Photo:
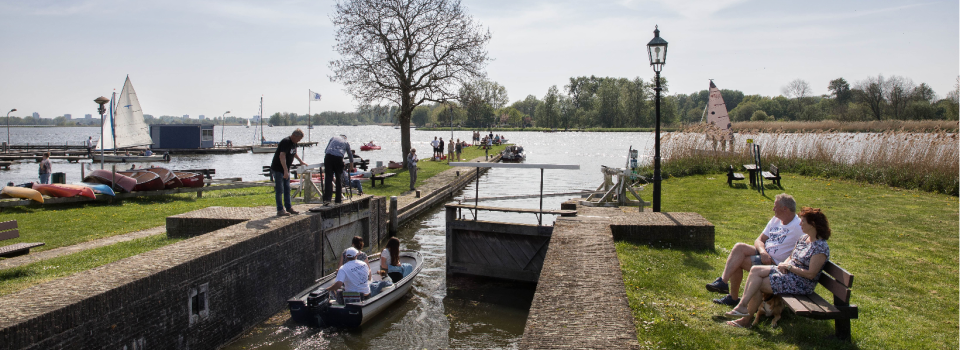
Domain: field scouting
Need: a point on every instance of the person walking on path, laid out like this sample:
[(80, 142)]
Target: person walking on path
[(89, 144), (772, 247), (458, 149), (280, 167), (337, 148), (45, 169), (412, 166)]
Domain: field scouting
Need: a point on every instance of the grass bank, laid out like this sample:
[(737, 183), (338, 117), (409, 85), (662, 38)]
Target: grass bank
[(902, 246)]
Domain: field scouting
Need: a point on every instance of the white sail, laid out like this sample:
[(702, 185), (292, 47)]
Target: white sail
[(716, 112), (130, 128)]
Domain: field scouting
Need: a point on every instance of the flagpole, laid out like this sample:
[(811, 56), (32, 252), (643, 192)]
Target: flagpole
[(309, 129)]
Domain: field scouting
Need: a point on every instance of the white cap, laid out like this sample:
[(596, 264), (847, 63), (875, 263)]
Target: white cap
[(352, 252)]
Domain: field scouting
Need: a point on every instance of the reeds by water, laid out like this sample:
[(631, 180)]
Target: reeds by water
[(833, 125), (905, 159)]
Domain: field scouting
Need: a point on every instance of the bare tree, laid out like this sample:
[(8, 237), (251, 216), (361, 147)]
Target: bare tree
[(798, 89), (407, 52), (898, 93), (872, 92)]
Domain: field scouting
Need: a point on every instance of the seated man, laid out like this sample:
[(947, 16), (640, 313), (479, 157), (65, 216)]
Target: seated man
[(773, 246), (354, 275), (354, 182)]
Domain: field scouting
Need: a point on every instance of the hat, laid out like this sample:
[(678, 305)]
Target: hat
[(352, 252)]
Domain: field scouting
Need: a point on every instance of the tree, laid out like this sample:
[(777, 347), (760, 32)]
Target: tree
[(871, 92), (840, 90), (481, 98), (420, 115), (407, 52), (798, 88), (898, 95)]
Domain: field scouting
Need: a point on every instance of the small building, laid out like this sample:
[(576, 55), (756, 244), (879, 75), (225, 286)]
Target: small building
[(181, 136)]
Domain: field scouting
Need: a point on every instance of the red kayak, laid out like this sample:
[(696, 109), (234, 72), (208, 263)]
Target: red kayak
[(105, 177), (146, 180), (190, 179), (55, 190), (84, 190), (369, 148)]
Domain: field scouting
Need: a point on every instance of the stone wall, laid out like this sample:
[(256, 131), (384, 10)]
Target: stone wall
[(196, 294)]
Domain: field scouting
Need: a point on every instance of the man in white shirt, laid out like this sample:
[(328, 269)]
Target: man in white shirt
[(774, 246), (354, 275)]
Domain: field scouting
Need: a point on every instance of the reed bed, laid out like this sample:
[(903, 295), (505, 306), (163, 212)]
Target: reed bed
[(925, 161), (833, 125)]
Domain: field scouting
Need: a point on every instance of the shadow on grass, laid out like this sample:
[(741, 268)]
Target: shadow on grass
[(804, 332), (14, 273)]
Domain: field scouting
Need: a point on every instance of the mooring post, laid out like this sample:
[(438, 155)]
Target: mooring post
[(394, 223)]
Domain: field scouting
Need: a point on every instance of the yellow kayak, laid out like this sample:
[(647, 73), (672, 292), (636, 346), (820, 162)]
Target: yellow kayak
[(22, 192)]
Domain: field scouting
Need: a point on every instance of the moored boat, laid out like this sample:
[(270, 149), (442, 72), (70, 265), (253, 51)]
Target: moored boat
[(190, 179), (512, 154), (146, 180), (369, 147), (106, 177), (317, 306)]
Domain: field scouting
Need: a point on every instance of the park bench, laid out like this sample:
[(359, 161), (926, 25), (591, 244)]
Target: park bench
[(814, 306), (772, 175), (8, 230), (732, 176), (379, 174)]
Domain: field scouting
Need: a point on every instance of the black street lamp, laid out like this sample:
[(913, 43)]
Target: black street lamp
[(657, 51), (101, 101), (8, 126)]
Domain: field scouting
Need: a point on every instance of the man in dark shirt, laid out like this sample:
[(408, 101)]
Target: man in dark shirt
[(282, 161), (336, 150)]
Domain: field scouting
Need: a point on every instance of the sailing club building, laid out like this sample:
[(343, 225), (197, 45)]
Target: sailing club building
[(194, 136)]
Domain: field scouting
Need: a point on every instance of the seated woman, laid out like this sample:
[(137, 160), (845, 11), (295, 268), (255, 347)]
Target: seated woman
[(390, 260), (797, 275)]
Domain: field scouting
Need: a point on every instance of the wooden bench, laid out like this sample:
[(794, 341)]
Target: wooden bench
[(8, 230), (813, 306), (772, 175), (732, 176), (379, 174)]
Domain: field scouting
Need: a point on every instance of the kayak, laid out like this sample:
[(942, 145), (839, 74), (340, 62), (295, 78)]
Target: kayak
[(99, 188), (84, 190), (369, 148), (55, 190), (22, 192), (105, 177)]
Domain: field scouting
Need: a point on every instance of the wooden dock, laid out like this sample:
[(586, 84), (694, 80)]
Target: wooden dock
[(37, 158)]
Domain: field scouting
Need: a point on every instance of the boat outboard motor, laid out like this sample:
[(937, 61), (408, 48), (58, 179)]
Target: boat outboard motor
[(319, 298)]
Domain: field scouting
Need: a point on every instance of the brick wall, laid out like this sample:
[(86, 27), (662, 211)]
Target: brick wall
[(195, 294)]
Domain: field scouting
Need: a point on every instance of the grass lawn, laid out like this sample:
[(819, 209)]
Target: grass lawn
[(426, 169), (902, 246)]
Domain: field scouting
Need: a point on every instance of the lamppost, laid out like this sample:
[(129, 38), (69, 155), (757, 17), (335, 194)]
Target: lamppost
[(223, 125), (101, 101), (657, 51), (8, 126)]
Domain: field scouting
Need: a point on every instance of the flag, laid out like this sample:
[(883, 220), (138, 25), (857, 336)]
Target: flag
[(314, 96)]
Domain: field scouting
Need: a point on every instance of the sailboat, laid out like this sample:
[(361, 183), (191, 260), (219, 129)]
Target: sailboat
[(126, 128), (248, 123), (718, 121), (264, 146)]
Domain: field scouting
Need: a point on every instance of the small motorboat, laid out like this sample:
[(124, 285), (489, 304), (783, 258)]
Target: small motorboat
[(369, 147), (190, 179), (106, 177), (512, 154), (146, 180), (317, 306)]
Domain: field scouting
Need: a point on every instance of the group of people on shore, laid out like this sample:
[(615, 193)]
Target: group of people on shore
[(454, 149), (786, 258), (334, 172), (354, 274)]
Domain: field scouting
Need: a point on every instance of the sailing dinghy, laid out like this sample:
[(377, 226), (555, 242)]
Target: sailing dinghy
[(126, 128)]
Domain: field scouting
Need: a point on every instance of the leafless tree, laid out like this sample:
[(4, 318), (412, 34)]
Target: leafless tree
[(898, 94), (872, 92), (407, 52), (798, 89)]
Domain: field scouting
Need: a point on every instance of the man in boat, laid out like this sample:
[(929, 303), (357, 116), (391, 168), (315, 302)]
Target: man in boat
[(773, 246), (282, 161), (333, 167), (353, 276)]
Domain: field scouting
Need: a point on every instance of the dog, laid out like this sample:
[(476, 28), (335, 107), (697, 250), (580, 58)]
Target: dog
[(772, 306)]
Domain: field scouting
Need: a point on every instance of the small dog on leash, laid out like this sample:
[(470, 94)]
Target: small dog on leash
[(772, 306)]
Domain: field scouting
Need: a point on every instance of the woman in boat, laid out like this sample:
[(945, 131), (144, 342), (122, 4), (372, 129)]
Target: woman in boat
[(358, 245), (390, 260), (370, 144), (797, 275)]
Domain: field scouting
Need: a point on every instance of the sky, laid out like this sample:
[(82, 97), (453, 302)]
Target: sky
[(207, 57)]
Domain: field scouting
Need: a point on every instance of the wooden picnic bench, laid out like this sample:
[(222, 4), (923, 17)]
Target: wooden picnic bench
[(732, 176), (752, 168), (379, 174), (772, 175), (9, 230), (814, 306)]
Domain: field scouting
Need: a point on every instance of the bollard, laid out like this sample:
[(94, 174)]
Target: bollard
[(393, 216), (418, 193)]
